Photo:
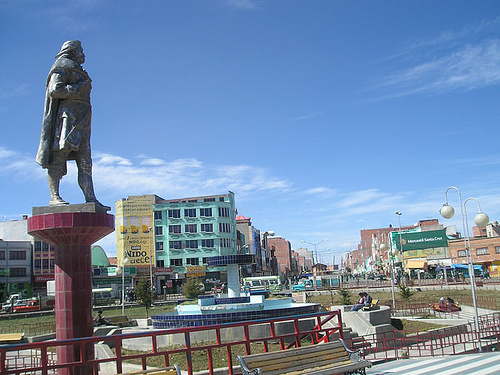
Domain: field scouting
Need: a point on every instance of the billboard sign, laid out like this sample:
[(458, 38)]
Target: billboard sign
[(420, 240), (134, 222), (195, 271)]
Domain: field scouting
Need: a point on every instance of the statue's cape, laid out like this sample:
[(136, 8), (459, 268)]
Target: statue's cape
[(51, 106)]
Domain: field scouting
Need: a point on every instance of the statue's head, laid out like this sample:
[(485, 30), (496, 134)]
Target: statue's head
[(72, 49)]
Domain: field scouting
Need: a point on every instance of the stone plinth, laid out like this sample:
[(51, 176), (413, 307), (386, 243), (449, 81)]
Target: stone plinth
[(72, 229)]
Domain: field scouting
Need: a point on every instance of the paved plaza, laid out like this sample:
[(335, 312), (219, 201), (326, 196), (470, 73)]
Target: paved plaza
[(464, 364)]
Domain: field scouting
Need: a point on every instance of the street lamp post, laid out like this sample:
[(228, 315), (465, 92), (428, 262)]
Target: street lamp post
[(481, 219), (315, 254), (315, 244), (124, 262), (383, 247), (150, 262), (401, 242)]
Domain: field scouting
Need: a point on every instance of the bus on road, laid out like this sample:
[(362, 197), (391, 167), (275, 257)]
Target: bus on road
[(258, 284)]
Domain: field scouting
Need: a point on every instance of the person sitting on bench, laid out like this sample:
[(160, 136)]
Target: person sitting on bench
[(364, 301)]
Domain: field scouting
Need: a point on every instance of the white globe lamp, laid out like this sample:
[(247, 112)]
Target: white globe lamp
[(481, 219), (447, 211)]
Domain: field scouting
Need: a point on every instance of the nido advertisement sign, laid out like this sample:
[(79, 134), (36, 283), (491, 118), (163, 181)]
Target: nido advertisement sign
[(134, 224)]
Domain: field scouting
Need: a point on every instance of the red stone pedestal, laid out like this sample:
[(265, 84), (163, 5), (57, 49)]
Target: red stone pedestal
[(72, 234)]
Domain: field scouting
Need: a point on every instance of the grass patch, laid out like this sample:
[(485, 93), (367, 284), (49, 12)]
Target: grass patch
[(199, 358), (414, 326), (39, 325)]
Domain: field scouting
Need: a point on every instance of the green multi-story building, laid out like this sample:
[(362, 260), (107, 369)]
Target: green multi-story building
[(189, 231)]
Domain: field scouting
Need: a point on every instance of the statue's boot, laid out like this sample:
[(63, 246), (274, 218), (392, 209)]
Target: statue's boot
[(87, 186), (55, 198)]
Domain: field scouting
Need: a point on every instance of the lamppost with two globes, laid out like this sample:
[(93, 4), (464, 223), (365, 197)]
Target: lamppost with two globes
[(481, 220)]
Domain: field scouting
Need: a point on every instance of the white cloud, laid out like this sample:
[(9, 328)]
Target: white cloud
[(306, 117), (360, 197), (10, 92), (461, 60), (242, 4), (178, 178), (105, 159), (323, 191)]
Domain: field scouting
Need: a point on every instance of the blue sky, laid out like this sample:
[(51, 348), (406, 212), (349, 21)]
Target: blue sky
[(323, 117)]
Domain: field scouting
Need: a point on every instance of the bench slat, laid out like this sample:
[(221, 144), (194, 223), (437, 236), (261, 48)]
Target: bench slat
[(321, 359), (11, 337), (291, 352), (331, 369), (292, 361), (334, 370), (307, 368)]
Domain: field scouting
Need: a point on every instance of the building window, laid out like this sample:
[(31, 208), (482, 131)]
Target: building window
[(221, 199), (38, 246), (225, 227), (207, 243), (206, 212), (38, 263), (175, 245), (160, 263), (158, 215), (497, 249), (190, 212), (17, 272), (225, 242), (209, 200), (192, 261), (158, 231), (159, 246), (191, 228), (462, 253), (172, 229), (209, 228), (176, 262), (204, 260), (45, 246), (223, 212), (2, 255), (191, 244), (482, 251), (17, 255), (174, 214)]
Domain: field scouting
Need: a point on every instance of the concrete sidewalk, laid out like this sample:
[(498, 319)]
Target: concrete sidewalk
[(463, 364)]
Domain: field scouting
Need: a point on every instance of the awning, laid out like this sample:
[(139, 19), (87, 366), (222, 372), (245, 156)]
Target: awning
[(415, 264)]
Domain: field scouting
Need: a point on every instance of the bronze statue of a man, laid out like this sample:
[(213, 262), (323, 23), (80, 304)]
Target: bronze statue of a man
[(66, 122)]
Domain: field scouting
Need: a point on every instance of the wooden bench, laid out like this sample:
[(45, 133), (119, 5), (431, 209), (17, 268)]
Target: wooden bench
[(120, 320), (320, 359), (373, 306), (174, 370), (11, 338)]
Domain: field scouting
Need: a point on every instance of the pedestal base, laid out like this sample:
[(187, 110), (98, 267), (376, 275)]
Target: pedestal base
[(72, 234)]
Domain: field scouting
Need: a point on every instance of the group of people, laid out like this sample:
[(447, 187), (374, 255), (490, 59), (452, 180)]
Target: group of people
[(365, 300), (448, 305)]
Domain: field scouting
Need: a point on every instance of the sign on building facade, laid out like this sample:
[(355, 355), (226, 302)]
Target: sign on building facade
[(420, 240)]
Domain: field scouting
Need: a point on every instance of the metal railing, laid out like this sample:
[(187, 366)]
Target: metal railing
[(157, 350), (222, 343), (458, 339)]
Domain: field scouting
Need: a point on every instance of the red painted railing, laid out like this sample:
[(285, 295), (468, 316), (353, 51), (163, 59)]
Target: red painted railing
[(443, 341), (39, 357)]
